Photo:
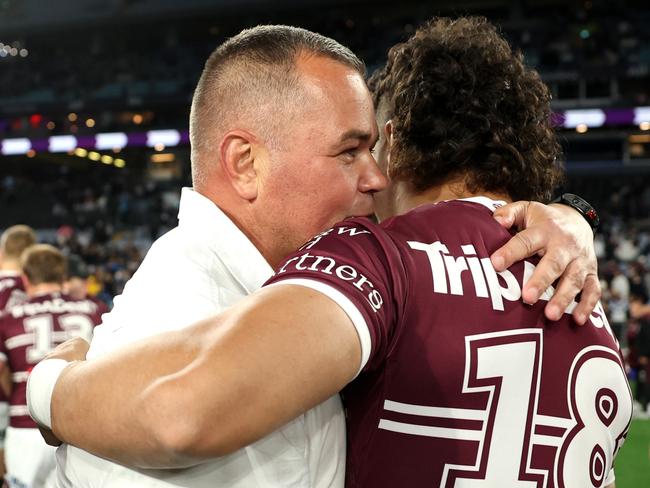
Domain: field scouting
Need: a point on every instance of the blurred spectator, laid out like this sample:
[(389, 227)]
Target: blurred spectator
[(626, 250), (620, 284), (640, 311), (617, 307), (76, 283)]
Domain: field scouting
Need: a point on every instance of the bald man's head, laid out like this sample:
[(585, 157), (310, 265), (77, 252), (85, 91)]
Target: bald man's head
[(250, 82)]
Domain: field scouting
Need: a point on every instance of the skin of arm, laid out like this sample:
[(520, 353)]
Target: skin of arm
[(565, 242), (212, 388)]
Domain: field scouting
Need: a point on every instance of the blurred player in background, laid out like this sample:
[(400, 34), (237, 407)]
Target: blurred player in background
[(28, 332), (76, 283), (278, 354), (13, 242)]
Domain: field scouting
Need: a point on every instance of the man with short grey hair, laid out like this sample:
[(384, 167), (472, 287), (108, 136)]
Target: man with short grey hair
[(263, 184)]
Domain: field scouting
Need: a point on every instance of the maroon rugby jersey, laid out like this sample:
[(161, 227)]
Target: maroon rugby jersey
[(12, 290), (31, 330), (462, 384)]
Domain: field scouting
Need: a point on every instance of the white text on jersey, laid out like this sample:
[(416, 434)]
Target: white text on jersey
[(446, 271)]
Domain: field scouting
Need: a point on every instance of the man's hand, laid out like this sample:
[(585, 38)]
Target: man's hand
[(72, 350), (565, 241)]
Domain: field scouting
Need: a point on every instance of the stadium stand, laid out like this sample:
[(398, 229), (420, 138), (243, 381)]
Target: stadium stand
[(131, 66)]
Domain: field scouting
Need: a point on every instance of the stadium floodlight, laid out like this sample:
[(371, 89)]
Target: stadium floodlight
[(19, 145), (167, 138), (111, 140), (641, 114), (590, 118), (62, 143)]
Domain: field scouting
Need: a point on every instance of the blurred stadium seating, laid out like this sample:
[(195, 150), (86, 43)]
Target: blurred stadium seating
[(81, 68)]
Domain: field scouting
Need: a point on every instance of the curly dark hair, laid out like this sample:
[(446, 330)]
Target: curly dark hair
[(462, 103)]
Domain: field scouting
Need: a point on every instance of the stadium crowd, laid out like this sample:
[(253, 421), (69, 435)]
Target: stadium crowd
[(155, 66)]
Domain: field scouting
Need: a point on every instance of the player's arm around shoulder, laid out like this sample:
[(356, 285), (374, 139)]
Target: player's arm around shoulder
[(213, 388)]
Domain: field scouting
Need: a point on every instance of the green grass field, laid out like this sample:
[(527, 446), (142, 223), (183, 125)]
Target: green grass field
[(633, 463)]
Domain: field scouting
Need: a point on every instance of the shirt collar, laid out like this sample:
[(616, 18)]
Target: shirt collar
[(9, 274), (199, 215), (490, 204)]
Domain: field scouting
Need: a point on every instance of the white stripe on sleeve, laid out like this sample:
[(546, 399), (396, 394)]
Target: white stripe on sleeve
[(348, 307)]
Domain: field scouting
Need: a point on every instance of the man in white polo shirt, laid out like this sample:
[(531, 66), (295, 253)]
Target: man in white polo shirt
[(263, 185)]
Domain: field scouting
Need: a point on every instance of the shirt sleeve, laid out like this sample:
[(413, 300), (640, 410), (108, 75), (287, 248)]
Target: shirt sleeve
[(355, 265)]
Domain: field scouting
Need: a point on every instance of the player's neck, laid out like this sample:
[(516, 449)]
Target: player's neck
[(43, 289), (452, 190), (10, 265)]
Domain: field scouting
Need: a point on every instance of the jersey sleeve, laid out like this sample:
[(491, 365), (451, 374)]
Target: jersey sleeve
[(356, 266)]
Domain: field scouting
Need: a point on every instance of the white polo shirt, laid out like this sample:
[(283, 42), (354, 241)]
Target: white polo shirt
[(194, 271)]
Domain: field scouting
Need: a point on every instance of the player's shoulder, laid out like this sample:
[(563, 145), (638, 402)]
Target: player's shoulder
[(358, 229), (480, 208), (452, 220), (359, 235)]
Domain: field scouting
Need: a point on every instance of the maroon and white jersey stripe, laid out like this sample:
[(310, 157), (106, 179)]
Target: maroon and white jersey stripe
[(29, 331), (462, 385)]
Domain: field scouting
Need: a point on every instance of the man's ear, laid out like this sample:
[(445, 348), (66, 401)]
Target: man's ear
[(238, 162)]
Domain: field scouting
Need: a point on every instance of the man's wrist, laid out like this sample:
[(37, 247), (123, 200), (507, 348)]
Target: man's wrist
[(40, 386), (583, 207)]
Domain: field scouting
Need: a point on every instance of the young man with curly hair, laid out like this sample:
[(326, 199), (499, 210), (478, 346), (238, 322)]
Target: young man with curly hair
[(448, 377)]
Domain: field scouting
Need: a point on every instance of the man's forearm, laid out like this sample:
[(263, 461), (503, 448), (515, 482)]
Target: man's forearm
[(212, 388), (98, 405)]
